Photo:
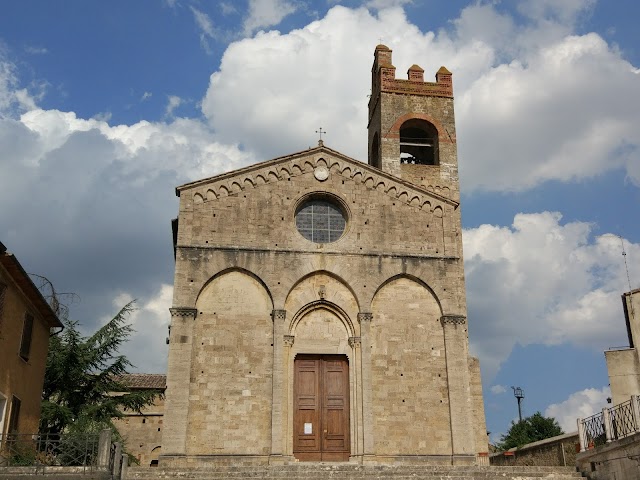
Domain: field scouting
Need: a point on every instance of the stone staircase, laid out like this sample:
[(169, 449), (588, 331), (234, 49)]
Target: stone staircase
[(323, 471)]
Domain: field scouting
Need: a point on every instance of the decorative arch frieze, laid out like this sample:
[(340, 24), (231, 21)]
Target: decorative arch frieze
[(394, 189)]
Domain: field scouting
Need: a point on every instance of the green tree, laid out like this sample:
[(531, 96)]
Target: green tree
[(83, 390), (530, 429)]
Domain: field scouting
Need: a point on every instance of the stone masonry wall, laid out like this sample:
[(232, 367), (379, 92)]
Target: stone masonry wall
[(560, 450), (231, 368), (409, 372)]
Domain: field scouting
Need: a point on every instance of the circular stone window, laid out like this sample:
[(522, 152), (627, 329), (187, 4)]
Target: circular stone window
[(320, 220)]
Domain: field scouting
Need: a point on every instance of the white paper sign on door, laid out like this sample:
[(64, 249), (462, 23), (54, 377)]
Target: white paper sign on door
[(308, 429)]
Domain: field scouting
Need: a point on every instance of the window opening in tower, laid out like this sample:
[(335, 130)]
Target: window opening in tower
[(418, 145)]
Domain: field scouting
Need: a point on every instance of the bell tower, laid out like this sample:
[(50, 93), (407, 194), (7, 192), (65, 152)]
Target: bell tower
[(412, 132)]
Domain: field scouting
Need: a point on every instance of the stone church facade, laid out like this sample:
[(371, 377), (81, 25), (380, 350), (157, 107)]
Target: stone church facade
[(319, 308)]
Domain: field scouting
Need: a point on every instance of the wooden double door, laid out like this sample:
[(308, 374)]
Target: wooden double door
[(321, 408)]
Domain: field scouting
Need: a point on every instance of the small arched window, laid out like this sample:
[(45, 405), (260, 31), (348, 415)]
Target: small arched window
[(375, 152), (418, 142)]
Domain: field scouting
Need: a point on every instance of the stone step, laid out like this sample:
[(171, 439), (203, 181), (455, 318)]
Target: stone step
[(349, 471)]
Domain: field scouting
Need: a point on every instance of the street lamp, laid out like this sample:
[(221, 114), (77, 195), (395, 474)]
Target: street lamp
[(519, 394)]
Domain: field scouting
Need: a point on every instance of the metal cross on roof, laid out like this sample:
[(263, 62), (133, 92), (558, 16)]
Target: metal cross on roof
[(320, 132)]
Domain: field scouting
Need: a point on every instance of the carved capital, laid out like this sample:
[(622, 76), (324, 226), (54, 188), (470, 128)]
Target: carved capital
[(453, 319), (365, 317), (288, 340), (279, 315), (354, 342), (183, 312)]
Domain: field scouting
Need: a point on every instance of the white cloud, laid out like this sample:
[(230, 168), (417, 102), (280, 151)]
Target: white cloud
[(568, 113), (580, 404), (205, 25), (381, 4), (145, 96), (497, 389), (173, 102), (228, 8), (12, 99), (541, 281), (566, 11), (147, 348), (266, 13), (100, 197)]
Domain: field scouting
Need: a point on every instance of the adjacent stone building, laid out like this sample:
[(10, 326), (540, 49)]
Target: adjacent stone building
[(142, 431), (26, 321), (623, 364), (319, 308)]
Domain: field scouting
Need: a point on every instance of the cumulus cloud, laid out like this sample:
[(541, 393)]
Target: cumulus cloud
[(555, 117), (99, 199), (541, 281), (580, 404), (266, 13), (535, 102)]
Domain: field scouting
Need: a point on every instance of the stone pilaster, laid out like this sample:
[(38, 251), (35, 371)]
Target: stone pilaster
[(365, 319), (455, 340), (176, 415), (287, 427), (278, 385), (357, 432)]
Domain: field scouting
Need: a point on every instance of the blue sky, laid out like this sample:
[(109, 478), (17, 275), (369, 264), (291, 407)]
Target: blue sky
[(106, 106)]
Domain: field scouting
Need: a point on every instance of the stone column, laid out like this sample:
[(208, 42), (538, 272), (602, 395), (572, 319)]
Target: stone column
[(104, 449), (606, 419), (176, 416), (582, 437), (455, 344), (278, 392), (365, 319), (356, 397)]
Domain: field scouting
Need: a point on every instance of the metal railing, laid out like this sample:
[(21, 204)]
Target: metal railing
[(621, 420), (593, 430), (613, 423), (67, 450)]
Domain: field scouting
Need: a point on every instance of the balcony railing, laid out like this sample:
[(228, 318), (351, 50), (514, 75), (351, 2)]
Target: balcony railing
[(613, 423)]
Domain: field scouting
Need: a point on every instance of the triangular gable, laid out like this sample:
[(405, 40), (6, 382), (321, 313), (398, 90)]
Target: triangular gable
[(289, 166)]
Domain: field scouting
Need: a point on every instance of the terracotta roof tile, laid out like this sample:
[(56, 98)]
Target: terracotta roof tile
[(144, 380)]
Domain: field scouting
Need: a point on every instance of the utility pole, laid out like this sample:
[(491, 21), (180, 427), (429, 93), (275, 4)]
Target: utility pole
[(519, 394)]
